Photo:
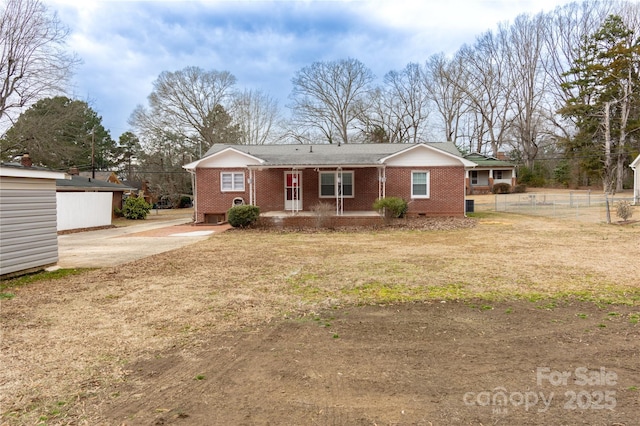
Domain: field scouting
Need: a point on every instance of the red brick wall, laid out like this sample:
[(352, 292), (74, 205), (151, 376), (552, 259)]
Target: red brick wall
[(210, 199), (334, 222), (446, 190), (446, 193)]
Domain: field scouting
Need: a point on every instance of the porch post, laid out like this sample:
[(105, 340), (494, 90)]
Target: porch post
[(295, 190), (339, 195), (382, 182), (252, 188)]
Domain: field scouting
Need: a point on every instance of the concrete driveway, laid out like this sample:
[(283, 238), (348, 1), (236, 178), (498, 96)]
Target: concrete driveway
[(116, 246)]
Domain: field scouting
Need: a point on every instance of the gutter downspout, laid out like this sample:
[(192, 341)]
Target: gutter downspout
[(636, 185), (195, 195)]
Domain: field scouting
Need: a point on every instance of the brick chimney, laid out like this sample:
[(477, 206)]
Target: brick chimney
[(502, 156), (74, 171), (26, 160)]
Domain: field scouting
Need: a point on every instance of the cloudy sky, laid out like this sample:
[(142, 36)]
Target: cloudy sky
[(125, 45)]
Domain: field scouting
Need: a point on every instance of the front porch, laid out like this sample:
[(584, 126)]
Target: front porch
[(311, 219)]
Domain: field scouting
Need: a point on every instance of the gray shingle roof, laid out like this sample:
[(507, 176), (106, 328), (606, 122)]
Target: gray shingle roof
[(326, 154), (80, 183)]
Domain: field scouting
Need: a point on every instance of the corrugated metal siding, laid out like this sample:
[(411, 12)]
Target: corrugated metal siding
[(28, 234)]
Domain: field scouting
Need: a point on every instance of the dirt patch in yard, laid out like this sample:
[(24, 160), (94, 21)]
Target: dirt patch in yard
[(410, 364), (387, 326)]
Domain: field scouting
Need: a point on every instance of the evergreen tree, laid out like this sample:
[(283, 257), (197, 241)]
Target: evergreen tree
[(59, 133), (606, 88)]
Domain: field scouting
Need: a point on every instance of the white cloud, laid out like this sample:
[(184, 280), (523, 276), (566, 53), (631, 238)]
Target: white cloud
[(126, 45)]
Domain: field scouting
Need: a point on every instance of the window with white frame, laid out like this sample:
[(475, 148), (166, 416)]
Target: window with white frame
[(232, 181), (474, 177), (497, 174), (332, 182), (420, 184)]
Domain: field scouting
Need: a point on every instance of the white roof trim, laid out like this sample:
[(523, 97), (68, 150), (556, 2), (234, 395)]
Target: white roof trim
[(635, 163), (315, 166), (194, 164), (26, 172), (464, 161)]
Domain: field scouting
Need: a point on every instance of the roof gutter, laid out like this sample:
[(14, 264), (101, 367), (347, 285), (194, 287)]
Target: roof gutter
[(312, 166)]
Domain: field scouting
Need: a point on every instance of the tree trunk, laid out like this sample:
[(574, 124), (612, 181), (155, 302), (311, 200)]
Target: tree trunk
[(607, 176)]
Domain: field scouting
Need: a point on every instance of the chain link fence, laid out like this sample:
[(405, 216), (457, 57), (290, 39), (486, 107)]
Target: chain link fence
[(587, 206)]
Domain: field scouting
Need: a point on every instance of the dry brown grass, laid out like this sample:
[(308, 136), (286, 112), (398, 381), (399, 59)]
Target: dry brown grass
[(65, 342)]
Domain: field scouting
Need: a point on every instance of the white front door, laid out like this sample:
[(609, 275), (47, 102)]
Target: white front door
[(293, 191)]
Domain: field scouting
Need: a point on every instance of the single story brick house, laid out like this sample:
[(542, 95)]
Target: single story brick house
[(292, 179), (488, 172)]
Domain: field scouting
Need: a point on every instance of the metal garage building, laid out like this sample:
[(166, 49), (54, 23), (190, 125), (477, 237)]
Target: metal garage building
[(28, 233)]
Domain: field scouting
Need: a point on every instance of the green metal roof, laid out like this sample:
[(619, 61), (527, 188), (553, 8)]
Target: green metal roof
[(487, 161)]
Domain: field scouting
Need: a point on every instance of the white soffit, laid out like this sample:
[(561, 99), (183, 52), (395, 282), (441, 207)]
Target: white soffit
[(424, 156)]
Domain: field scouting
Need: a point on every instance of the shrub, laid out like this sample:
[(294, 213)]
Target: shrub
[(520, 189), (135, 208), (532, 177), (323, 213), (393, 206), (185, 201), (562, 173), (624, 210), (243, 216), (501, 188)]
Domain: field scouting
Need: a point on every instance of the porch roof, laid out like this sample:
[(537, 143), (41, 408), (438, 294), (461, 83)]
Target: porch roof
[(325, 155)]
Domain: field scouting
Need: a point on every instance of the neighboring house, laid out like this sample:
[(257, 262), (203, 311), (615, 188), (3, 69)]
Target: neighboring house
[(635, 165), (28, 233), (141, 189), (349, 177), (488, 172), (87, 203)]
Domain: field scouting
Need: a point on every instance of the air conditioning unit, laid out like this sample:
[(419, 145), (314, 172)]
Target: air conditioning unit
[(238, 201)]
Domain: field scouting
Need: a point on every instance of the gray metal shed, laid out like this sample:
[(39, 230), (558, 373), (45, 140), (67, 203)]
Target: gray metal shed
[(28, 233)]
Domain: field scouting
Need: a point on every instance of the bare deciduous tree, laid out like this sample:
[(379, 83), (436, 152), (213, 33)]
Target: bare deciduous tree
[(256, 114), (442, 80), (486, 88), (186, 103), (410, 108), (566, 30), (33, 62), (398, 111), (525, 38), (328, 96)]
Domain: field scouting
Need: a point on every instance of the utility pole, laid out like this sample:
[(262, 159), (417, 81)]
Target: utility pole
[(93, 153)]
